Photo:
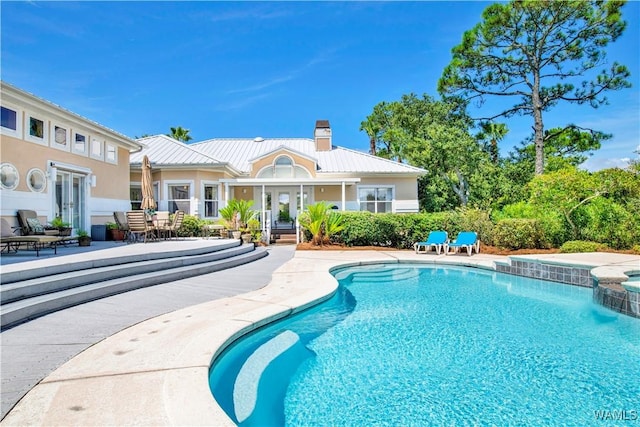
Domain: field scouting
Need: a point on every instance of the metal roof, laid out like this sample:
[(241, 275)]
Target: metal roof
[(239, 152), (163, 150)]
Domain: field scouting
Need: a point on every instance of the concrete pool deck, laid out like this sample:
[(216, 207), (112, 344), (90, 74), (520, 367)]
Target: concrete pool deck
[(156, 372)]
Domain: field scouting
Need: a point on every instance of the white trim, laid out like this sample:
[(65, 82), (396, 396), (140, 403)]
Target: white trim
[(96, 141), (17, 133), (17, 176), (68, 167), (27, 128), (87, 138), (210, 183), (376, 186), (53, 140), (107, 146), (44, 176)]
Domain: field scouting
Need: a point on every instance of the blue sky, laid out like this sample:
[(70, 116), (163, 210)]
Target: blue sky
[(246, 69)]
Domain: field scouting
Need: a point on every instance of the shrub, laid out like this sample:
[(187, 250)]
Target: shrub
[(576, 246), (191, 226), (479, 221), (518, 233), (610, 223)]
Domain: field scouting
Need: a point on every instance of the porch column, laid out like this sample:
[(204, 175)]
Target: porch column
[(226, 193), (344, 200)]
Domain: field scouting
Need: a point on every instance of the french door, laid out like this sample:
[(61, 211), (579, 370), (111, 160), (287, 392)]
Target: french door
[(70, 198)]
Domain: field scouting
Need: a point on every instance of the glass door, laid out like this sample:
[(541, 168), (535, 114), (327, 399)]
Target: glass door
[(70, 198)]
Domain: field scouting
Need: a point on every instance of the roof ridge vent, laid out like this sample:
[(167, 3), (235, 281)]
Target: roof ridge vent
[(258, 139)]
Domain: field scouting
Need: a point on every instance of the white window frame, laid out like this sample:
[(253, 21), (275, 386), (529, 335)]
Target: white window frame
[(216, 184), (17, 132), (87, 139), (97, 141), (67, 141), (107, 147), (27, 129), (174, 182), (376, 187)]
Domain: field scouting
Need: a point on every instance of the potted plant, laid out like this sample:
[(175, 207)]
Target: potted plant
[(114, 232), (64, 228), (83, 238)]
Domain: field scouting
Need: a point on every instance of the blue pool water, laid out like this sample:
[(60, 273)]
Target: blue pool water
[(415, 345)]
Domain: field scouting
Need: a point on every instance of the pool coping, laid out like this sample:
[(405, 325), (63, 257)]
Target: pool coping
[(156, 372)]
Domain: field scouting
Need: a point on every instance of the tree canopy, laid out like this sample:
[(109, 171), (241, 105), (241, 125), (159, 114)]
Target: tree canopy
[(537, 52), (180, 134)]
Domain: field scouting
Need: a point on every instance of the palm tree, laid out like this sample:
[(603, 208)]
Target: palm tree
[(180, 133), (493, 133)]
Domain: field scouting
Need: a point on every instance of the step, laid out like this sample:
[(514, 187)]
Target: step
[(46, 271), (56, 282), (26, 309)]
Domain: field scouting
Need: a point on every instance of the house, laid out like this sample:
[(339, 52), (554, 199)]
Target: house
[(281, 176), (60, 164), (64, 165)]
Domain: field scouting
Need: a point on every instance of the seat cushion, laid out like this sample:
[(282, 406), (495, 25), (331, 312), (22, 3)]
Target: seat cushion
[(35, 226)]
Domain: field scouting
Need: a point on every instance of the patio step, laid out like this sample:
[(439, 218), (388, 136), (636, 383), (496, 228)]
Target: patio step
[(25, 300)]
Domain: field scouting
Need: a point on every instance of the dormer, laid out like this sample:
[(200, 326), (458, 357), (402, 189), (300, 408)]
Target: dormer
[(322, 135)]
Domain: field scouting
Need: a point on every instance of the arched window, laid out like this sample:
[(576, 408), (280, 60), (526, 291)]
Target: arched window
[(284, 167)]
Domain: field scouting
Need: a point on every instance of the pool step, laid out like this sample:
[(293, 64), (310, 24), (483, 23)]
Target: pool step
[(25, 300), (386, 275)]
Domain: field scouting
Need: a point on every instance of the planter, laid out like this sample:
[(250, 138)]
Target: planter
[(116, 234), (235, 234), (64, 231), (84, 241), (246, 238)]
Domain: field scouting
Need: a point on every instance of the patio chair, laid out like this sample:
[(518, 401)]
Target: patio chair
[(436, 240), (175, 225), (138, 226), (30, 225), (121, 222), (465, 239)]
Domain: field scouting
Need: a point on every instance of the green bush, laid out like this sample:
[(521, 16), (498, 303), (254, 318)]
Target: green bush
[(191, 226), (608, 222), (576, 246), (518, 233)]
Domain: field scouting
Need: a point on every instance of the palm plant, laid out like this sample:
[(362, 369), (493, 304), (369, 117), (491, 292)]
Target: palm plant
[(321, 222), (181, 134)]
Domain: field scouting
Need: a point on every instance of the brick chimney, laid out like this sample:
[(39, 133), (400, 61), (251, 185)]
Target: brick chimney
[(322, 135)]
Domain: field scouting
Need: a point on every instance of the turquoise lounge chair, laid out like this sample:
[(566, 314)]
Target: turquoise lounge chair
[(436, 240), (466, 239)]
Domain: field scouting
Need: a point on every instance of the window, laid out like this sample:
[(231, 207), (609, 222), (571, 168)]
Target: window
[(96, 148), (36, 180), (178, 197), (9, 119), (135, 195), (9, 177), (375, 199), (305, 202), (283, 167), (210, 201), (112, 153), (36, 128), (80, 143), (60, 137)]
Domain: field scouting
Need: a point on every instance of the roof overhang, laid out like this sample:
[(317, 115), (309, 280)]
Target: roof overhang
[(290, 181)]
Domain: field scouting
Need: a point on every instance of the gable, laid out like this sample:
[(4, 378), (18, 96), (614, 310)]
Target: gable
[(269, 164)]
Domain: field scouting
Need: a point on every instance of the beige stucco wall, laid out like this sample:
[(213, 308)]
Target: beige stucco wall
[(405, 188), (112, 180)]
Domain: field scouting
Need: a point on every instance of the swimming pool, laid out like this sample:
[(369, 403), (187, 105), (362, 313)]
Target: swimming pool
[(415, 345)]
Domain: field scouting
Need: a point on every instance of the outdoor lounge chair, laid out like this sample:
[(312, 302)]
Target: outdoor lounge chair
[(30, 224), (436, 240), (465, 239)]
